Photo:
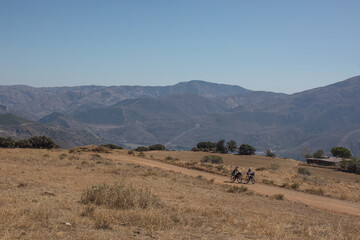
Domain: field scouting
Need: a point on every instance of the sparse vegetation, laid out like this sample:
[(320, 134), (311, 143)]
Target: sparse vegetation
[(304, 171), (278, 196), (190, 206), (111, 146), (235, 189), (119, 196), (270, 153), (214, 159), (318, 191), (274, 167)]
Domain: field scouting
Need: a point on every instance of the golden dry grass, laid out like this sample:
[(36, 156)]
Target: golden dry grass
[(273, 171), (40, 198)]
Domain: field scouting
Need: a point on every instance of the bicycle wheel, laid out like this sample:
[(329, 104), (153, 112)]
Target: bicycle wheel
[(239, 179), (252, 180), (232, 178)]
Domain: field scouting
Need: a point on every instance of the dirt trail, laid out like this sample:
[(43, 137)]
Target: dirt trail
[(320, 202)]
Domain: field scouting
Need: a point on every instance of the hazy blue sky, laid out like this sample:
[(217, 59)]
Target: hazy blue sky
[(283, 46)]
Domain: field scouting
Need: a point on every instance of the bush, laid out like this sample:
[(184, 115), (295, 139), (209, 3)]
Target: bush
[(318, 191), (206, 146), (119, 196), (212, 159), (101, 149), (319, 154), (304, 171), (269, 153), (141, 149), (111, 146), (246, 149), (341, 152), (156, 147), (278, 196), (7, 142), (353, 166), (235, 189), (42, 142), (23, 143)]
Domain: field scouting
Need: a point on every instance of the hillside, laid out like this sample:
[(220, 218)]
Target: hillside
[(20, 128), (179, 116), (85, 195), (35, 103)]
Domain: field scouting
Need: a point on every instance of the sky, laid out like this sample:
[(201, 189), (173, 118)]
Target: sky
[(281, 46)]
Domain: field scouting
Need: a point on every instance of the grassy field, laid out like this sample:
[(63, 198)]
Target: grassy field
[(54, 194)]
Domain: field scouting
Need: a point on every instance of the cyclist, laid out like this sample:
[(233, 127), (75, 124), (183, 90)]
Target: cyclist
[(250, 172)]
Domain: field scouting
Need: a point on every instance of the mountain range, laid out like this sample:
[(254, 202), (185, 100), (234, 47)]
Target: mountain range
[(179, 116)]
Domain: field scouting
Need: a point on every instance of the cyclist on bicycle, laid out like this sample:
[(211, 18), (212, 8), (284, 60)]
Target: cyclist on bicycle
[(250, 172)]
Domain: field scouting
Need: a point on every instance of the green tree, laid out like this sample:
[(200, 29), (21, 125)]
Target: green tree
[(158, 147), (220, 146), (319, 154), (246, 149), (206, 146), (341, 152), (42, 142), (7, 142), (231, 146)]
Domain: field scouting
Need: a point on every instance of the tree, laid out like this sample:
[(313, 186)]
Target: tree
[(246, 149), (206, 146), (220, 146), (42, 142), (270, 153), (341, 152), (158, 147), (231, 146), (319, 154), (7, 142)]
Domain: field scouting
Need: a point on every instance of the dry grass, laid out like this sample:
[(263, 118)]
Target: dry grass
[(191, 207), (280, 172)]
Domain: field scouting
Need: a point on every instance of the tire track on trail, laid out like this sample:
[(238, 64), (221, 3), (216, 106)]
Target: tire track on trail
[(316, 201)]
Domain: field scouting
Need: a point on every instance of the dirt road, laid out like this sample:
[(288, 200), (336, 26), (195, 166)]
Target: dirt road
[(320, 202)]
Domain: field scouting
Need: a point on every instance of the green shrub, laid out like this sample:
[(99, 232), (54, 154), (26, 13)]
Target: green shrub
[(304, 171), (341, 152), (141, 149), (270, 153), (111, 146), (209, 146), (353, 166), (7, 142), (156, 147), (319, 154), (246, 149), (212, 159)]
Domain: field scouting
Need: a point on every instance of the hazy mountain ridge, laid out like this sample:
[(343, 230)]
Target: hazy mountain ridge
[(35, 103), (318, 118)]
